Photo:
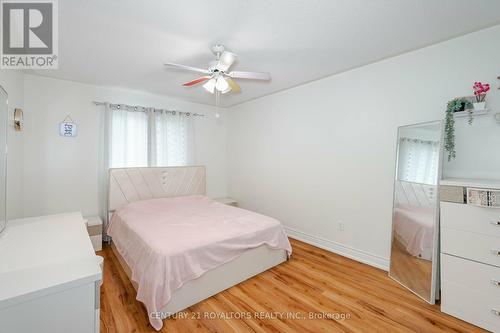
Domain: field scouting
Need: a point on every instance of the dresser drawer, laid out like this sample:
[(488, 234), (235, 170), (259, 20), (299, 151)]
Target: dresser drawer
[(473, 306), (471, 218), (470, 245), (471, 274)]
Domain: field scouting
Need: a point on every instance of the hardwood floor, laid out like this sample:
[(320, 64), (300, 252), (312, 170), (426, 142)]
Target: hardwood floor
[(412, 271), (343, 296)]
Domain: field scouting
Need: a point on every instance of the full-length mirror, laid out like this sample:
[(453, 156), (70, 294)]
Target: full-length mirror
[(414, 249), (3, 158)]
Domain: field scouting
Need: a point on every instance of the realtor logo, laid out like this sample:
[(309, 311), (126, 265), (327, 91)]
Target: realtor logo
[(29, 34)]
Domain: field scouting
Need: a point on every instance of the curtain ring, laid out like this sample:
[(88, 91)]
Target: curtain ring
[(188, 114), (118, 106), (173, 113)]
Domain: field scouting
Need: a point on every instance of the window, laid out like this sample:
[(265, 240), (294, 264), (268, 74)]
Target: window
[(149, 138)]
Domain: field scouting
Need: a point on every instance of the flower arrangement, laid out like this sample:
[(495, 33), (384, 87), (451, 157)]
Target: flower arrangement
[(480, 90)]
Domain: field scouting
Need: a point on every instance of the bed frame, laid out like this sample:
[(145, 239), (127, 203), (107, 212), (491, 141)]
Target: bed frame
[(133, 184)]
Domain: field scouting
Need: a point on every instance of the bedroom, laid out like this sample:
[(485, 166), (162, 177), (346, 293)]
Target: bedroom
[(333, 169)]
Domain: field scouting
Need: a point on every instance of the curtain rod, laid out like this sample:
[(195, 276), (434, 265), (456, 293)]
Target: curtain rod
[(143, 108), (430, 142)]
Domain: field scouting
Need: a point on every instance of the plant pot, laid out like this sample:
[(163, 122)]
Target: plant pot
[(461, 108), (478, 106)]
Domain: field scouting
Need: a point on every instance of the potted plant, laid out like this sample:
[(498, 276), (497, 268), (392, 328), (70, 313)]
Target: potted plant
[(480, 91), (455, 105)]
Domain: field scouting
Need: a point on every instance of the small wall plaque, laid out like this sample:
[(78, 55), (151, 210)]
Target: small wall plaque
[(68, 128)]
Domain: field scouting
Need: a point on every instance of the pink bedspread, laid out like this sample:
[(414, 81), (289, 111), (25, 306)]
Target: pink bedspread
[(416, 226), (167, 242)]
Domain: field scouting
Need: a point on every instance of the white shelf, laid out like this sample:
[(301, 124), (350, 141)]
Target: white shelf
[(480, 183), (474, 113)]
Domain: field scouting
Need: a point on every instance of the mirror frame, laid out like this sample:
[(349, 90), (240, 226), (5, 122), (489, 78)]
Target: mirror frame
[(3, 91), (435, 283)]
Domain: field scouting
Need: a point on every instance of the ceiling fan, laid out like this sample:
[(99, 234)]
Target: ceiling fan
[(217, 77)]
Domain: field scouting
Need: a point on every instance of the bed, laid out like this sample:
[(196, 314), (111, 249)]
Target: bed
[(178, 246), (414, 229), (414, 218)]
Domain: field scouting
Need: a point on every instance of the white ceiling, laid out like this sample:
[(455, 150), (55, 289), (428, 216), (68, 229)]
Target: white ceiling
[(125, 43)]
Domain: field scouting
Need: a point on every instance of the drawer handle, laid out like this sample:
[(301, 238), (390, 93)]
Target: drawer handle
[(495, 312), (495, 282), (497, 223), (495, 252)]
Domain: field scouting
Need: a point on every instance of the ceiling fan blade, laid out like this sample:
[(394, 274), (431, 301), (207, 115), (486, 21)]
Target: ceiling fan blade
[(250, 75), (234, 86), (226, 59), (195, 82), (187, 68)]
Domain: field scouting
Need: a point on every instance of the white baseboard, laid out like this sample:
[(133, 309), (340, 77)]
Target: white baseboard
[(343, 250)]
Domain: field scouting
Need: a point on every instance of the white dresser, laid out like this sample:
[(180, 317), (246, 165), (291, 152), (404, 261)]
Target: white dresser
[(49, 276), (94, 228), (470, 251)]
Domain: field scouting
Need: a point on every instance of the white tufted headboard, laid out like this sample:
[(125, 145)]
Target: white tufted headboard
[(133, 184)]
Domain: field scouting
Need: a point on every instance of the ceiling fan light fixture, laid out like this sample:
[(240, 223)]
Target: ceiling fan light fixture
[(218, 79), (226, 60), (221, 84), (210, 85)]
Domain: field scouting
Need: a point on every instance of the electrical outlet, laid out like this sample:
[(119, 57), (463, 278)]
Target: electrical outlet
[(341, 226)]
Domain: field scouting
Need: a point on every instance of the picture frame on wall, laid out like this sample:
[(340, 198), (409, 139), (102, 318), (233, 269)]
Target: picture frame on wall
[(68, 128)]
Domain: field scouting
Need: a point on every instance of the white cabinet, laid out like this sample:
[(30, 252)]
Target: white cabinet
[(470, 292), (94, 229), (49, 276), (227, 201), (470, 259)]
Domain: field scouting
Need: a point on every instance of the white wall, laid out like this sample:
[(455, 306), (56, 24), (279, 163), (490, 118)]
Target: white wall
[(12, 81), (478, 146), (324, 152), (61, 174)]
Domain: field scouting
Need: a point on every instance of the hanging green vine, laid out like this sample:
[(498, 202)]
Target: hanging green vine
[(449, 132), (455, 105)]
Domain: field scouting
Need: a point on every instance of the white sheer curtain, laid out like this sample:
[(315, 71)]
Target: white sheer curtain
[(104, 162), (418, 161), (129, 138), (173, 139)]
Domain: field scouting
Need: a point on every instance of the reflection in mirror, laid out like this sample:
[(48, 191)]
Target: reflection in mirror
[(3, 158), (416, 210)]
